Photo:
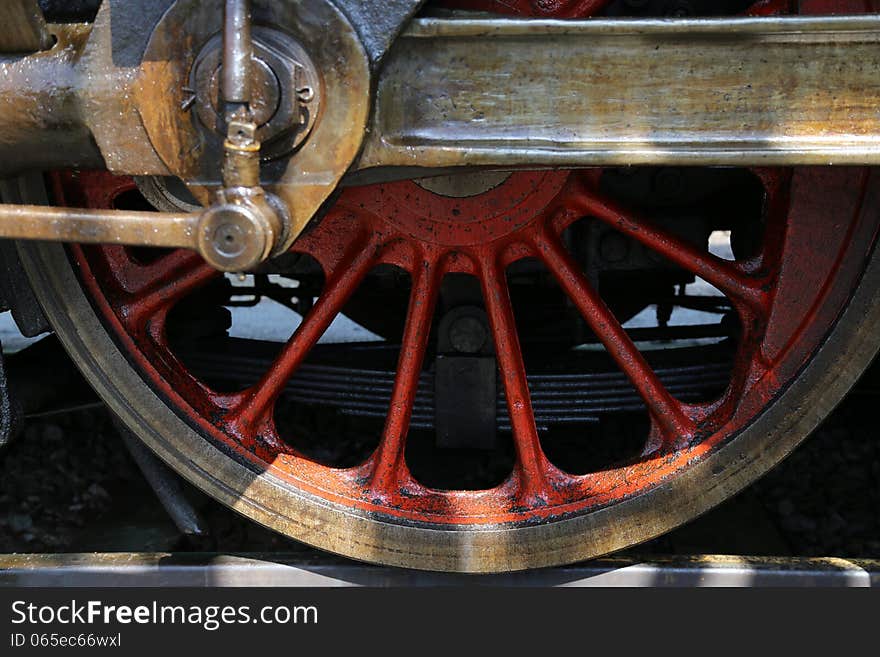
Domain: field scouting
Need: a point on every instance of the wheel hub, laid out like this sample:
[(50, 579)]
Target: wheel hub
[(454, 213)]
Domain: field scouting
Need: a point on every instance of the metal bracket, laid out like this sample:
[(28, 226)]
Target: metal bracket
[(379, 23), (465, 381)]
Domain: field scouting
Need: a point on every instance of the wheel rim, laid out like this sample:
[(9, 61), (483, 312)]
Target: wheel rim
[(786, 310)]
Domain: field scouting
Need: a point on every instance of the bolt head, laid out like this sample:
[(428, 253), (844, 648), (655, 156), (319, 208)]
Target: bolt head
[(468, 335), (232, 237)]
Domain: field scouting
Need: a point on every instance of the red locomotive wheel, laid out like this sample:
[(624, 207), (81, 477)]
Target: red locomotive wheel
[(796, 307)]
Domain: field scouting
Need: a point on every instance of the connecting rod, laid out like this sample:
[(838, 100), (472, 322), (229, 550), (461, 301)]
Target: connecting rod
[(456, 92)]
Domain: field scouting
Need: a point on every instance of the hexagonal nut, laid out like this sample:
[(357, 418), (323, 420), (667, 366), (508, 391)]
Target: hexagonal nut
[(286, 87)]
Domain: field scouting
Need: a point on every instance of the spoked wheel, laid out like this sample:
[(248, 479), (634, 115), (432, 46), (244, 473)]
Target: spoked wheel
[(541, 276)]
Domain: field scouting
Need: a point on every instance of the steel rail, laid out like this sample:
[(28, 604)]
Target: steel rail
[(316, 570)]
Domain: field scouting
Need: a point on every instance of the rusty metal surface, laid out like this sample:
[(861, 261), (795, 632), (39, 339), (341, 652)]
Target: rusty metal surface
[(720, 91), (40, 121), (106, 75), (24, 28), (798, 91), (305, 180), (217, 570), (794, 90)]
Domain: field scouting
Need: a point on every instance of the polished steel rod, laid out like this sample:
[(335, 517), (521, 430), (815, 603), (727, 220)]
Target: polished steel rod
[(156, 229)]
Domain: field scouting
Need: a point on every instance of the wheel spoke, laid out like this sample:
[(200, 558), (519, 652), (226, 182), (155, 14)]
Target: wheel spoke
[(164, 283), (255, 405), (665, 410), (423, 300), (723, 275), (532, 462)]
